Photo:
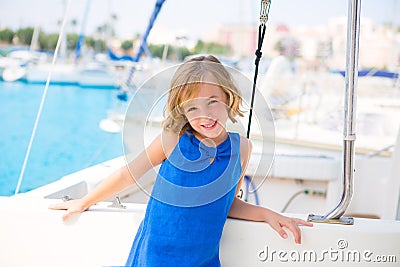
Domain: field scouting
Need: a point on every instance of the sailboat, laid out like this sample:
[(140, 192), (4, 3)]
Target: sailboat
[(35, 236), (12, 66)]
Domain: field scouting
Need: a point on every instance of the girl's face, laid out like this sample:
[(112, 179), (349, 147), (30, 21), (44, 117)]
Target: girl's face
[(207, 113)]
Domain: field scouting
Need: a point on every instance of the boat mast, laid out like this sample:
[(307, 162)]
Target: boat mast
[(143, 47), (143, 43), (349, 133), (81, 38)]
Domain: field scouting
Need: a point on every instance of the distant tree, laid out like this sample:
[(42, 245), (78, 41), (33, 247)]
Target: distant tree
[(95, 44), (174, 52), (180, 52), (114, 18), (25, 35), (211, 48), (6, 36), (106, 30), (72, 40), (157, 50), (100, 45), (200, 47), (74, 24), (127, 45), (48, 41), (89, 41)]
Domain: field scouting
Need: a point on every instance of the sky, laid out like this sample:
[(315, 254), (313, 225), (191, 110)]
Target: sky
[(190, 17)]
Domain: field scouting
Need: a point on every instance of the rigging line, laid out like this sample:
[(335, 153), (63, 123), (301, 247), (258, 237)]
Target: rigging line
[(258, 53), (264, 13), (39, 113)]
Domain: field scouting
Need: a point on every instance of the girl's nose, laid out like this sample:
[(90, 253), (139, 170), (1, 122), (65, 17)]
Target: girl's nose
[(204, 111)]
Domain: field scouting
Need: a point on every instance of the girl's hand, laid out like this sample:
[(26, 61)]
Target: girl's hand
[(72, 207), (277, 222)]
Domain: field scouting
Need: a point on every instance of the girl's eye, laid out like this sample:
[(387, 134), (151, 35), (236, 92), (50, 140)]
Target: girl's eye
[(212, 101), (191, 109)]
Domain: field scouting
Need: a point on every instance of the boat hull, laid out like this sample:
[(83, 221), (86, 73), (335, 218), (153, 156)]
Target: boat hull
[(103, 237)]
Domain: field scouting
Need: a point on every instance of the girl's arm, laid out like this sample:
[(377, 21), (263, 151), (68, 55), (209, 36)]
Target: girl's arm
[(246, 211), (122, 178)]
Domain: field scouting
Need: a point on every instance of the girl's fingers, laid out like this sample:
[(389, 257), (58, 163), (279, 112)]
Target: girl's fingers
[(67, 215), (302, 222), (71, 208), (58, 206), (294, 228), (279, 230), (293, 225)]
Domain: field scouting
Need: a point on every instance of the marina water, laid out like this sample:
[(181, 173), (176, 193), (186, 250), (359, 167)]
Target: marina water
[(68, 137)]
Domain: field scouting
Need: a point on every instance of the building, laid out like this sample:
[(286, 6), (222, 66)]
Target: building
[(316, 46)]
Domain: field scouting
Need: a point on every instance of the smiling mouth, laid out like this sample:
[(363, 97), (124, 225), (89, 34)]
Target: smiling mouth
[(210, 125)]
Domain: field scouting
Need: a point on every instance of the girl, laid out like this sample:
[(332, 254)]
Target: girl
[(202, 166)]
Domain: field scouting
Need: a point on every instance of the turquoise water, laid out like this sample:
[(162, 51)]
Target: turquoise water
[(68, 137)]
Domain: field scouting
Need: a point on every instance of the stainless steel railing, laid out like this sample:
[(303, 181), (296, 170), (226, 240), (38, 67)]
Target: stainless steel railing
[(353, 33)]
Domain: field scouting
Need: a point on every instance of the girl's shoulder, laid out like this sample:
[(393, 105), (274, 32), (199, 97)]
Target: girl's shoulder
[(169, 140)]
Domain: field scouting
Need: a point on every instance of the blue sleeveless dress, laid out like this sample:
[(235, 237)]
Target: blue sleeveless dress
[(189, 205)]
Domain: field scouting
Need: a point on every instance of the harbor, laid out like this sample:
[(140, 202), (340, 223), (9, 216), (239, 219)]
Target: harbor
[(325, 135)]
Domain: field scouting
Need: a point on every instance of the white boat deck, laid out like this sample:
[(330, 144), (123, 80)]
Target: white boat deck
[(32, 235)]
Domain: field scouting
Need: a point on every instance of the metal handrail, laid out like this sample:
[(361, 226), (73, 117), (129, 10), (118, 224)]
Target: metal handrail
[(353, 33)]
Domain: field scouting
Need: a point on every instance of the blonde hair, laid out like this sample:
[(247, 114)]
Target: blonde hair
[(185, 84)]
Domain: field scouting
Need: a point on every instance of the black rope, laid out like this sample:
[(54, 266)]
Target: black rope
[(258, 53)]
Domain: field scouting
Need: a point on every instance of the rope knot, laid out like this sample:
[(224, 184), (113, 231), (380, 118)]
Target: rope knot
[(258, 56), (258, 53)]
